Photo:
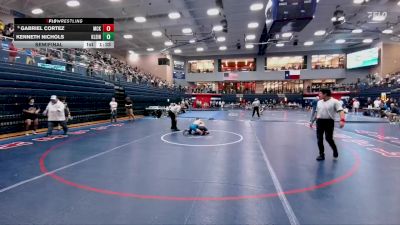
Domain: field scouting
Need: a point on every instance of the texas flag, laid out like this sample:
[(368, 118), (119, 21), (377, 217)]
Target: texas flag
[(292, 74)]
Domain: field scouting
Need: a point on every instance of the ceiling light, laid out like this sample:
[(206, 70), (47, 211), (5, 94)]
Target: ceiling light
[(213, 12), (249, 46), (398, 3), (280, 45), (340, 41), (200, 49), (131, 52), (379, 18), (358, 1), (256, 6), (177, 51), (357, 31), (140, 19), (37, 11), (73, 3), (387, 31), (114, 0), (156, 33), (174, 15), (187, 30), (221, 39), (128, 36), (367, 41), (150, 49), (287, 34), (223, 48), (250, 37), (252, 25), (218, 28), (320, 33), (192, 41), (308, 43), (168, 43)]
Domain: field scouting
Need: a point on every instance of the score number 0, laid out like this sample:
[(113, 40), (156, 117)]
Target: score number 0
[(108, 27)]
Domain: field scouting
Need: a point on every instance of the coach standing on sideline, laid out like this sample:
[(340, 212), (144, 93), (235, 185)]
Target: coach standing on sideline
[(55, 112), (327, 108)]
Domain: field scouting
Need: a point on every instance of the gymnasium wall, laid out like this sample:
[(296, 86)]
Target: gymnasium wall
[(390, 58), (261, 74), (149, 64)]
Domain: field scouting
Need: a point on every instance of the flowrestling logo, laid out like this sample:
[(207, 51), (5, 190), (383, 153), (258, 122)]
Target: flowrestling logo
[(368, 145), (51, 138), (100, 128), (79, 132), (14, 145), (55, 137)]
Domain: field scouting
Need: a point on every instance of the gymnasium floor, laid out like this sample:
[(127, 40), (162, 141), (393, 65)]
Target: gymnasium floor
[(247, 171)]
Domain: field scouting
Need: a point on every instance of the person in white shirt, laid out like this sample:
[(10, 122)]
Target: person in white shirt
[(55, 112), (173, 111), (377, 103), (327, 108), (113, 108), (256, 107), (356, 105)]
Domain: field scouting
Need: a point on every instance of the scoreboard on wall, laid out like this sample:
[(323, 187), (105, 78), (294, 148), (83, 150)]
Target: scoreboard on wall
[(64, 32)]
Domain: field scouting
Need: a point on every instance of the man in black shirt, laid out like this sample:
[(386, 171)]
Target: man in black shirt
[(31, 115), (129, 108)]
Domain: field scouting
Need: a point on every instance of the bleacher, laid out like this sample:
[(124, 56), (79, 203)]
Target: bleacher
[(144, 95), (87, 98)]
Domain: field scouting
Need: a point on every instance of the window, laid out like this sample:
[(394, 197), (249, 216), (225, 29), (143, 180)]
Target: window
[(331, 61), (286, 63), (201, 66), (237, 87), (234, 65), (281, 87), (178, 65)]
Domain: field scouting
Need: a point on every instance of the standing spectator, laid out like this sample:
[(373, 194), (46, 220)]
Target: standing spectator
[(2, 26), (113, 108), (129, 108), (30, 60), (55, 112), (9, 30), (314, 104), (356, 105), (89, 70), (13, 53), (66, 111), (69, 58), (31, 115), (49, 58), (377, 103)]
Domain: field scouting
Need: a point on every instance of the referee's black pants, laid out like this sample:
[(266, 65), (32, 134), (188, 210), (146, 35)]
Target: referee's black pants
[(173, 120), (325, 126), (256, 109)]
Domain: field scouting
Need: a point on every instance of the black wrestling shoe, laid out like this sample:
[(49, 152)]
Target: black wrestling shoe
[(335, 155), (320, 158)]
